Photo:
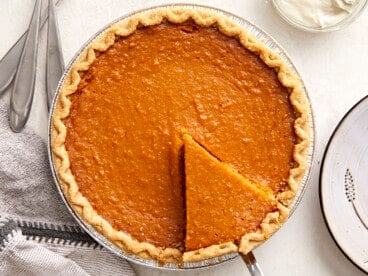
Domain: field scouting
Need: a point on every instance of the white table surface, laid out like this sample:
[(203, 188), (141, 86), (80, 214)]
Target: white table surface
[(333, 66)]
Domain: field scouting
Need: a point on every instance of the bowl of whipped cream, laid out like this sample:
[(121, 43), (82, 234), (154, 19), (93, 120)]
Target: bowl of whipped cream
[(319, 15)]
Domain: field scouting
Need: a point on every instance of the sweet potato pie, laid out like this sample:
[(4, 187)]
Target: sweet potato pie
[(180, 137)]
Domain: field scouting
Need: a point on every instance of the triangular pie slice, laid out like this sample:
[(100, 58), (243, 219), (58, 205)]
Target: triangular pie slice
[(221, 204)]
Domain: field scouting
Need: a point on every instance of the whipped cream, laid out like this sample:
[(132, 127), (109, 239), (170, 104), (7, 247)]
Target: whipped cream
[(317, 13)]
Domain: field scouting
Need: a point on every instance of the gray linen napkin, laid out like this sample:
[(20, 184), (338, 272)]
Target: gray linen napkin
[(37, 234)]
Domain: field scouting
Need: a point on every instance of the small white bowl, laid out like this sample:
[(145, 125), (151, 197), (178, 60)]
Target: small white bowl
[(334, 27)]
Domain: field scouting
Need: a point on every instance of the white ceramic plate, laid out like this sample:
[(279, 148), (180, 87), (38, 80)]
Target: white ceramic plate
[(344, 184)]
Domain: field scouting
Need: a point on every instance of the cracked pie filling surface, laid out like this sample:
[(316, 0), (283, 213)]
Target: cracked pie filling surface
[(180, 137)]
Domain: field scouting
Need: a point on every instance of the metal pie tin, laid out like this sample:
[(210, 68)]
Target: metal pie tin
[(270, 43)]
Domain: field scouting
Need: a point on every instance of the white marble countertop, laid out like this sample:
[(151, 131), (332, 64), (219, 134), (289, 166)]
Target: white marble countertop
[(333, 66)]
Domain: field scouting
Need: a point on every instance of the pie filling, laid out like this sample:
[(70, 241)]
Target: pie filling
[(124, 136), (221, 204)]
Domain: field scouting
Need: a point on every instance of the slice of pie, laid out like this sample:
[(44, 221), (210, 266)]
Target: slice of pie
[(117, 133), (222, 205)]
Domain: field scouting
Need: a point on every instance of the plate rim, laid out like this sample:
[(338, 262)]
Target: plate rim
[(324, 157)]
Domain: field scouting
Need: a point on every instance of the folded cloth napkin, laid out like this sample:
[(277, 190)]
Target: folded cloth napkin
[(38, 236)]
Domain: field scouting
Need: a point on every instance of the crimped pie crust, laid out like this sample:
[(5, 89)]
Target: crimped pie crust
[(203, 18)]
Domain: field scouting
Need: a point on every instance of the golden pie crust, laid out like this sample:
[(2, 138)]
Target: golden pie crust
[(124, 28)]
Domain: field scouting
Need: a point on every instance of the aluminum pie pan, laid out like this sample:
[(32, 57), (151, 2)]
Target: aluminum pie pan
[(97, 236)]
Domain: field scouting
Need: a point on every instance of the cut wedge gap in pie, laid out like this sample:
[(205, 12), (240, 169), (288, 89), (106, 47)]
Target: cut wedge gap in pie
[(221, 204)]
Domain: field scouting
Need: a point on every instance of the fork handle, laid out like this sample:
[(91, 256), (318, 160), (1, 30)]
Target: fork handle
[(54, 60), (24, 84), (9, 62), (252, 265)]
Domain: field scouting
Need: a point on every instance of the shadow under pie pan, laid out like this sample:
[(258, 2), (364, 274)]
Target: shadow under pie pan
[(270, 43)]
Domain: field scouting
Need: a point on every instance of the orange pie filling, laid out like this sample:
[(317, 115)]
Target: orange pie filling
[(222, 205), (126, 148)]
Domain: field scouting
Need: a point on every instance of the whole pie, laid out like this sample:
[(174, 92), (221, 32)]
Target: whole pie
[(180, 137)]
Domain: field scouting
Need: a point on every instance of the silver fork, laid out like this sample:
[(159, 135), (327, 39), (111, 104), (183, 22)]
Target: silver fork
[(9, 62), (55, 61), (23, 89), (252, 265)]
